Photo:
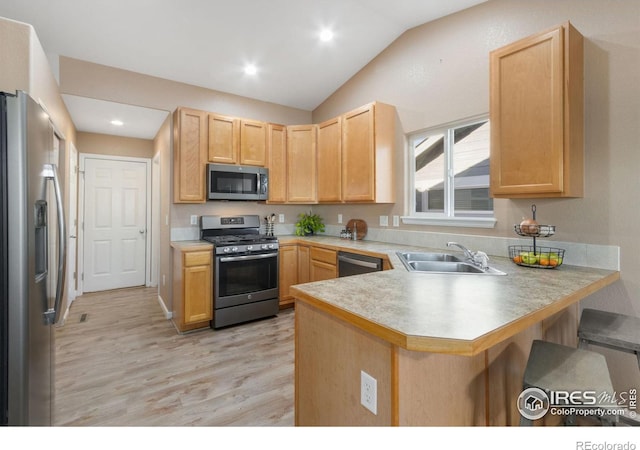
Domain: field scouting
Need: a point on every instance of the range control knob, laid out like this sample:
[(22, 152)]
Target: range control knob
[(226, 249), (249, 248), (234, 249), (264, 246), (270, 245)]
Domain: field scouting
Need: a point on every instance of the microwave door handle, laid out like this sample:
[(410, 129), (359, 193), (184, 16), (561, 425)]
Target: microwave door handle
[(52, 316)]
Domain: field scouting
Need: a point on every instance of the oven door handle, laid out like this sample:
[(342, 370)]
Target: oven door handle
[(248, 257)]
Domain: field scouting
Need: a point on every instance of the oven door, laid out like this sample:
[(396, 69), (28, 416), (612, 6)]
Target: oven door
[(239, 280)]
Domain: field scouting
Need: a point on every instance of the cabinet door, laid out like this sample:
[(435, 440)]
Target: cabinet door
[(224, 139), (277, 163), (303, 264), (288, 272), (322, 271), (536, 116), (253, 143), (189, 156), (330, 161), (358, 157), (197, 294), (301, 164), (198, 299)]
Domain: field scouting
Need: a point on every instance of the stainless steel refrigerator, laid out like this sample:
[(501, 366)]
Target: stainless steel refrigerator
[(33, 261)]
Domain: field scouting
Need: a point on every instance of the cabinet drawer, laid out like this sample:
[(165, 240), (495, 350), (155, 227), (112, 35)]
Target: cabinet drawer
[(324, 255), (197, 258)]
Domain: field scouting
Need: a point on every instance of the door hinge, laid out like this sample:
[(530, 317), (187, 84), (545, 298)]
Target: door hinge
[(82, 276)]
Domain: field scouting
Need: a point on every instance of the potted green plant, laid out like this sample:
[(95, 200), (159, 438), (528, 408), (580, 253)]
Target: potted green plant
[(308, 224)]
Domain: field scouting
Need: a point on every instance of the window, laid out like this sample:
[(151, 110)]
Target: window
[(449, 180)]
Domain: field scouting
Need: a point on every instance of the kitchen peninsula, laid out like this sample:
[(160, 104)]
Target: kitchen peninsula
[(444, 349)]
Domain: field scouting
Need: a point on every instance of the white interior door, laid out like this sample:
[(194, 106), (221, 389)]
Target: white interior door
[(115, 210), (73, 224)]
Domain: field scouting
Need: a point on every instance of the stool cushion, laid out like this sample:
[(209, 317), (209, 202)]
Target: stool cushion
[(610, 329), (554, 367)]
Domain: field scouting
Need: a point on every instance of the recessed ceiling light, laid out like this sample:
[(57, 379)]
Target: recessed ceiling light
[(326, 35), (250, 69), (117, 123)]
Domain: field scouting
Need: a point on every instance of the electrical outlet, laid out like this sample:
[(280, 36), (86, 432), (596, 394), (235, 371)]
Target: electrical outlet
[(384, 221), (194, 220), (396, 221), (339, 218), (163, 280), (281, 218), (368, 392)]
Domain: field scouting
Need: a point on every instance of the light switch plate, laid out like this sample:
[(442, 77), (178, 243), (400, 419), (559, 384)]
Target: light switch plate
[(396, 221), (339, 218), (194, 220), (281, 218), (384, 221)]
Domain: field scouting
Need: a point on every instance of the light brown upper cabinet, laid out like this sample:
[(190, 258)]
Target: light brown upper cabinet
[(253, 143), (277, 162), (301, 164), (368, 137), (536, 113), (330, 160), (189, 155), (237, 141)]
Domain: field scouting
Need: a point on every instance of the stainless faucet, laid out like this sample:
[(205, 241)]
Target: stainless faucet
[(466, 251), (478, 258)]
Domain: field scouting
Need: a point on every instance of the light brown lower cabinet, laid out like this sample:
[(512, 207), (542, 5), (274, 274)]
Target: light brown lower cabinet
[(288, 268), (301, 263), (192, 294), (323, 265)]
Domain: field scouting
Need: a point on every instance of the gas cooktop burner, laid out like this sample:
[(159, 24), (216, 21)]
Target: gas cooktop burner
[(240, 239), (236, 235)]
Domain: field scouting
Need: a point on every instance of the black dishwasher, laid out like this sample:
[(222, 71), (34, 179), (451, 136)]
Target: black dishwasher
[(355, 264)]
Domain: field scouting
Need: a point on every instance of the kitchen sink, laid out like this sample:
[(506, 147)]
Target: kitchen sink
[(437, 257), (442, 263)]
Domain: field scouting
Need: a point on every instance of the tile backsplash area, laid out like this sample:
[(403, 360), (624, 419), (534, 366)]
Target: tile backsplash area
[(576, 254)]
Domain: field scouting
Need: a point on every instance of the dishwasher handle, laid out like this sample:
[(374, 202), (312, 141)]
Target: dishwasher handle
[(358, 262)]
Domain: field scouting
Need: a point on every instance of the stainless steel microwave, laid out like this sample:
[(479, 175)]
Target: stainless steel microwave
[(232, 182)]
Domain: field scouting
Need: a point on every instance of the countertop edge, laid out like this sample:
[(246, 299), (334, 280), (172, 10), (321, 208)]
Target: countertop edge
[(454, 346), (191, 245)]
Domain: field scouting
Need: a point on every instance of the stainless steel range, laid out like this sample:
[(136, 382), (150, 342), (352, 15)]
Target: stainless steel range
[(245, 279)]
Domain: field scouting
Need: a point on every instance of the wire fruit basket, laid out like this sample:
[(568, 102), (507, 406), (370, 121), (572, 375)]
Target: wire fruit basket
[(534, 255)]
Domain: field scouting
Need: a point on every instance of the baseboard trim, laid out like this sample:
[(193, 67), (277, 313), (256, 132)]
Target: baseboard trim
[(167, 314)]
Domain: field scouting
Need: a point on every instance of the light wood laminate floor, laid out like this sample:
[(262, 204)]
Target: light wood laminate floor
[(125, 365)]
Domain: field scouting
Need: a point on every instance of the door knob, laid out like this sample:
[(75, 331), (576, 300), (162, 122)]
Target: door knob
[(141, 231)]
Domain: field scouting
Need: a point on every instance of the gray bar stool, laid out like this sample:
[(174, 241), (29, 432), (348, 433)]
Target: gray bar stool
[(558, 368), (611, 330)]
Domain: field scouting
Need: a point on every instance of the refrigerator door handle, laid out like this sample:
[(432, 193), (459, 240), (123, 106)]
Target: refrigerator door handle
[(52, 315)]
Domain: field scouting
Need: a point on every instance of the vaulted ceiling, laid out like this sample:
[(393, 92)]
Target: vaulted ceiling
[(208, 43)]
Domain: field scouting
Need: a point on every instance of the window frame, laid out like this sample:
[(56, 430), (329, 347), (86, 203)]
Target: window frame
[(475, 219)]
